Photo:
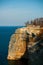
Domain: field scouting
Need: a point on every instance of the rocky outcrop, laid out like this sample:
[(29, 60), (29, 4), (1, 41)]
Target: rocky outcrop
[(26, 38), (17, 46)]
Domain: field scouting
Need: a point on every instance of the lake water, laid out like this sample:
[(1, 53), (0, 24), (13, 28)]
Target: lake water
[(5, 34)]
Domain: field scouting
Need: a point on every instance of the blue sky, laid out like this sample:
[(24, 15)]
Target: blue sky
[(17, 12)]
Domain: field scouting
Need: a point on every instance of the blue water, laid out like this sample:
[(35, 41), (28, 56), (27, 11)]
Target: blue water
[(5, 34)]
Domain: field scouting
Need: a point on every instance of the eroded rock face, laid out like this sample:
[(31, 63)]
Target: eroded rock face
[(17, 46), (23, 39)]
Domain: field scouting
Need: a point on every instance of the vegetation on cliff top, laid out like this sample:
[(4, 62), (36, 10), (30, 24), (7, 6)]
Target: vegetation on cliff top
[(38, 21)]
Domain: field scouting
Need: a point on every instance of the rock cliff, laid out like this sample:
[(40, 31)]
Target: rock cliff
[(25, 39)]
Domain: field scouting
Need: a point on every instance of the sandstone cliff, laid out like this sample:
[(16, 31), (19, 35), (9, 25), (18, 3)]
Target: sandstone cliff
[(17, 46), (24, 39)]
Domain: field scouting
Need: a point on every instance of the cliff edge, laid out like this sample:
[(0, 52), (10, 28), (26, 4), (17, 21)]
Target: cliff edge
[(24, 39)]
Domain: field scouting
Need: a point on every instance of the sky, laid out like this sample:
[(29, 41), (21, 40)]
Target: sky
[(17, 12)]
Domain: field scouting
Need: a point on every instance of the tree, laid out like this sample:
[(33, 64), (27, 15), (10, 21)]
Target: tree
[(27, 23)]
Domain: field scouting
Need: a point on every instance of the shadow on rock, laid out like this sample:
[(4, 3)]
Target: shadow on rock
[(18, 62)]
